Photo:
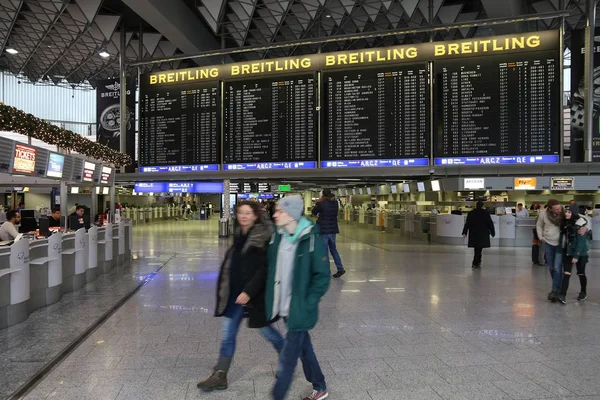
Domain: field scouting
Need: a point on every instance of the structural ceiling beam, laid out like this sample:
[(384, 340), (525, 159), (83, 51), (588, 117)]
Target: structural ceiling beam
[(176, 21)]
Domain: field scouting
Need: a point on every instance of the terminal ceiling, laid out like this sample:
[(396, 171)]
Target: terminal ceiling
[(59, 41)]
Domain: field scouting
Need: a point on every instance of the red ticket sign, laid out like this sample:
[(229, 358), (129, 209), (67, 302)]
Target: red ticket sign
[(24, 161)]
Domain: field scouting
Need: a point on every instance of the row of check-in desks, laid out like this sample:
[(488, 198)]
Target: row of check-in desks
[(35, 274), (511, 231)]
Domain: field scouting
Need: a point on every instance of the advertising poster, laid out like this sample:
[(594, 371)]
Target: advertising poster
[(24, 161), (108, 115), (578, 97), (56, 163)]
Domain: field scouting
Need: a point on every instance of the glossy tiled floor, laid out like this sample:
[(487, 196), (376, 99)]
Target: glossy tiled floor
[(408, 321)]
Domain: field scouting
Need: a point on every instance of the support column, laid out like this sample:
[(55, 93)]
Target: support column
[(590, 29), (94, 206), (64, 211), (113, 195), (226, 199), (123, 94)]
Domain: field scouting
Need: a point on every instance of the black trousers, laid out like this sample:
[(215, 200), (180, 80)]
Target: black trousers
[(478, 255), (568, 267)]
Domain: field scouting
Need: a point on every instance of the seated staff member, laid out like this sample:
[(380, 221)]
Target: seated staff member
[(8, 230), (76, 220), (54, 219)]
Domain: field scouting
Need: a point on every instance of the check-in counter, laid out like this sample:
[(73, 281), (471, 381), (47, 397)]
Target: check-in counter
[(524, 231), (596, 232), (35, 274), (507, 233), (449, 229)]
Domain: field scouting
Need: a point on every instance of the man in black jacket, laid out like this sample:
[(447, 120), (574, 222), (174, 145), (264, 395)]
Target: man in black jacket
[(327, 210), (479, 227)]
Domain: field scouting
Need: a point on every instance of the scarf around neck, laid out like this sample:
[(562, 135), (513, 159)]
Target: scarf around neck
[(555, 219)]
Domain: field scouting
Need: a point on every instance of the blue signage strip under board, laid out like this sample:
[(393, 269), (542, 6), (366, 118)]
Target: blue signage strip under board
[(179, 187), (261, 196), (270, 165), (408, 162), (499, 160), (181, 168)]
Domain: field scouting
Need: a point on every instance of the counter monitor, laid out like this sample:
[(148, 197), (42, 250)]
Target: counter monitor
[(56, 164)]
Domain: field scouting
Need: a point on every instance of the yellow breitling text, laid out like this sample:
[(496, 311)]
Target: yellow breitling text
[(487, 45), (372, 56), (262, 67), (184, 76)]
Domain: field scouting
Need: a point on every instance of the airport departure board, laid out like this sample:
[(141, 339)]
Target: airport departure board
[(376, 114), (180, 125), (498, 109), (270, 123)]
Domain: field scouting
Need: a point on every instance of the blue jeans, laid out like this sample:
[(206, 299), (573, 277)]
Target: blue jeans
[(554, 260), (231, 326), (329, 242), (297, 346)]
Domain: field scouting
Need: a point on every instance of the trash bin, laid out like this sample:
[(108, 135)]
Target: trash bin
[(223, 227)]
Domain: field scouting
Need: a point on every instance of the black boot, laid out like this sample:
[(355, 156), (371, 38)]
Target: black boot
[(218, 379)]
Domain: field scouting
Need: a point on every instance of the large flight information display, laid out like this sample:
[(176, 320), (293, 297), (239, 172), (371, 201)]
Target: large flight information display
[(376, 117), (498, 109), (180, 126), (270, 123)]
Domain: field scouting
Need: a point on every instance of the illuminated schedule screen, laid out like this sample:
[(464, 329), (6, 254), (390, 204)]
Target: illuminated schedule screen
[(270, 123), (179, 125), (376, 117), (498, 109)]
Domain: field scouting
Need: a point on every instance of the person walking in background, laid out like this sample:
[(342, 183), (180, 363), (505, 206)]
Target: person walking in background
[(479, 227), (327, 211), (548, 228), (575, 251), (241, 289), (298, 277)]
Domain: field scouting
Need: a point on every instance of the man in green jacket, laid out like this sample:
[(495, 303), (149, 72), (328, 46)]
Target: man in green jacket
[(298, 277)]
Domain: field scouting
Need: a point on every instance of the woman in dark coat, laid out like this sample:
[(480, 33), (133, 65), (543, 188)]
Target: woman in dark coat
[(479, 227), (241, 289)]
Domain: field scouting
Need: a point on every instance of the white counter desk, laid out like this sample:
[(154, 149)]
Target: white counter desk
[(34, 274)]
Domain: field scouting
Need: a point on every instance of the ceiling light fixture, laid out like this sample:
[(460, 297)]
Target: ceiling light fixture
[(104, 54), (327, 15), (10, 50)]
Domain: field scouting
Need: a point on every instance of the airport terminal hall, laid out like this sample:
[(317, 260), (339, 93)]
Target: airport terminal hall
[(299, 199)]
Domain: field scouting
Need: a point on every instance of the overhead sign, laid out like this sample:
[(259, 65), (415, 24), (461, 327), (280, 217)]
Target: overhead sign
[(179, 187), (525, 183), (474, 183), (56, 164), (260, 187), (105, 175), (24, 161), (89, 169), (521, 43), (562, 183), (285, 188)]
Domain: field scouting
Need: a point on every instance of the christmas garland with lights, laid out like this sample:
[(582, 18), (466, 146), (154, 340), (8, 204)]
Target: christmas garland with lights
[(15, 120)]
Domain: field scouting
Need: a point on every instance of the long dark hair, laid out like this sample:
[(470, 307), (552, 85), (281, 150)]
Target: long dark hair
[(256, 209)]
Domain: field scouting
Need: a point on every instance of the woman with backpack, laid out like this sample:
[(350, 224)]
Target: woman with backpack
[(241, 289)]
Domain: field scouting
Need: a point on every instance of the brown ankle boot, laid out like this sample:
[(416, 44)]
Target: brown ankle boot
[(217, 381)]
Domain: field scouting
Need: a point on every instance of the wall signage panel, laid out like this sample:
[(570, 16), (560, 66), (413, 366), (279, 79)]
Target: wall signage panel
[(181, 168), (178, 187), (562, 183), (180, 125), (525, 183), (376, 114), (89, 169), (270, 121), (24, 159), (474, 183), (105, 175)]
